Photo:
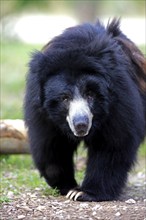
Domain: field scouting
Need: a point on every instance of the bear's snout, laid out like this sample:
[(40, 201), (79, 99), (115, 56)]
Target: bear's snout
[(81, 124), (79, 117)]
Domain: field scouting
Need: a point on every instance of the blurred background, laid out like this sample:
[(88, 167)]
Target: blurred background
[(26, 25)]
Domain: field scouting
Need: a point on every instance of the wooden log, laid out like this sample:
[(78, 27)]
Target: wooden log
[(13, 146), (13, 137)]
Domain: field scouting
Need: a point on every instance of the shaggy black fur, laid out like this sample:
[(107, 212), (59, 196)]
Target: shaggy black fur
[(109, 71)]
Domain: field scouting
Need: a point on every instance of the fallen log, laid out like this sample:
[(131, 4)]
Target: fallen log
[(13, 137)]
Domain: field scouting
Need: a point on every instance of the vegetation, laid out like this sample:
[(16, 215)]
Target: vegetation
[(77, 8), (19, 175), (14, 60)]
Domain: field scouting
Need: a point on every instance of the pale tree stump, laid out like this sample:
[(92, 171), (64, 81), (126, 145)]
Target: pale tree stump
[(13, 137)]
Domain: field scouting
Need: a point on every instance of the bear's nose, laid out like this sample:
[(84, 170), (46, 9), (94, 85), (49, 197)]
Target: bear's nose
[(81, 125)]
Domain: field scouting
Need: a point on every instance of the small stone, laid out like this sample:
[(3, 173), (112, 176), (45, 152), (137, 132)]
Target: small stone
[(96, 207), (33, 195), (37, 189), (28, 193), (125, 208), (100, 208), (26, 208), (67, 201), (130, 201), (21, 216), (94, 213), (40, 208), (141, 175), (118, 214), (84, 205), (10, 194)]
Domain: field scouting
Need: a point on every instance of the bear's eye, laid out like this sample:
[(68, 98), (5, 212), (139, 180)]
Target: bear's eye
[(90, 95), (65, 98)]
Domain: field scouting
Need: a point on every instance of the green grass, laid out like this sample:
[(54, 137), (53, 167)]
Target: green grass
[(14, 60), (4, 199), (18, 175), (142, 149)]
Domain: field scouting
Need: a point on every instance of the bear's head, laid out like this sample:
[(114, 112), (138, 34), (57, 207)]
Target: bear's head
[(76, 104)]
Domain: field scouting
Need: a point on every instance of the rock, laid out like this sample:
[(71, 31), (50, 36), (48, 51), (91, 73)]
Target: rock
[(10, 194), (21, 216), (130, 201), (40, 208), (118, 214), (96, 207), (84, 205), (94, 213)]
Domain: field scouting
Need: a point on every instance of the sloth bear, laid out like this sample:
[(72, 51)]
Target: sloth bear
[(87, 84)]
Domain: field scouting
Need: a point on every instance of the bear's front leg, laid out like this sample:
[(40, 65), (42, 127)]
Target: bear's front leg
[(53, 156), (105, 177), (59, 169)]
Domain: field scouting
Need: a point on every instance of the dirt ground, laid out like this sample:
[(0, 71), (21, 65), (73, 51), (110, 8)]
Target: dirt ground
[(32, 205)]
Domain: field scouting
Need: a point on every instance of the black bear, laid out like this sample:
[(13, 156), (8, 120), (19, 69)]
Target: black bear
[(87, 84)]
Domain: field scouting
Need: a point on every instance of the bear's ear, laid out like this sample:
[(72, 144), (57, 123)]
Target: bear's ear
[(39, 65), (113, 27), (36, 77)]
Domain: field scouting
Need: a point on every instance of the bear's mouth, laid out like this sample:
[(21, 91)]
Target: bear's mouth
[(81, 134)]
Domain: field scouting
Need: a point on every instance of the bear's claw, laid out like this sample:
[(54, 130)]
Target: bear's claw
[(74, 195)]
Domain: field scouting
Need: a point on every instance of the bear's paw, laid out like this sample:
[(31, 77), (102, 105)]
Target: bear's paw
[(74, 194), (81, 196)]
